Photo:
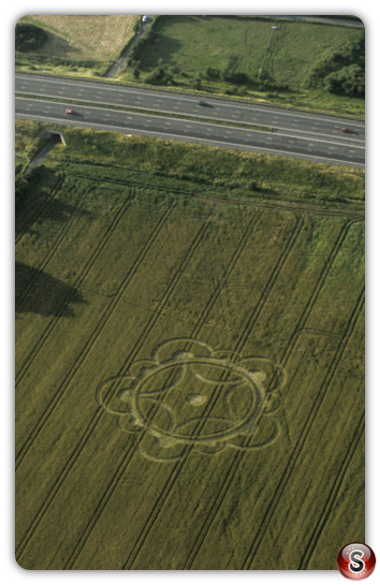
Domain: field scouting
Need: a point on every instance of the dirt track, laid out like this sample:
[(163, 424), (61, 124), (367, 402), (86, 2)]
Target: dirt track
[(115, 67)]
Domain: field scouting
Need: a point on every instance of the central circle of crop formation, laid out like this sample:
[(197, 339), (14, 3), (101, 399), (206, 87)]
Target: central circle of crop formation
[(217, 381)]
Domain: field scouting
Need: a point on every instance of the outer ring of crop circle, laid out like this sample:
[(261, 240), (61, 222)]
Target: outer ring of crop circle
[(223, 435)]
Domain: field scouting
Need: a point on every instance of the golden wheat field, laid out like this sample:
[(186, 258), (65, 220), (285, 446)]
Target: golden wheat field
[(189, 376), (85, 37)]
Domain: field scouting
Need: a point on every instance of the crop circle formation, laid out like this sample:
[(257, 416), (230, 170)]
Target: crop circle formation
[(189, 396)]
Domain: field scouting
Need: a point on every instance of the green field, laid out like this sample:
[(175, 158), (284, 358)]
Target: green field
[(189, 358), (278, 63)]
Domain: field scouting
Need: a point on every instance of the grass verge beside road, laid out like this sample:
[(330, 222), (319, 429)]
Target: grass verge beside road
[(205, 170)]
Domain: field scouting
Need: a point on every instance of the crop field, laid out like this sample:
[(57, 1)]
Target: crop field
[(189, 371), (85, 37)]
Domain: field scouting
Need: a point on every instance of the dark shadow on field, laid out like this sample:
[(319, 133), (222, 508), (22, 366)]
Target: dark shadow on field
[(39, 292), (35, 201), (59, 47), (265, 190)]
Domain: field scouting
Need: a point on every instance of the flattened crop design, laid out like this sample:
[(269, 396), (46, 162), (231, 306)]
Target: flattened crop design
[(188, 396)]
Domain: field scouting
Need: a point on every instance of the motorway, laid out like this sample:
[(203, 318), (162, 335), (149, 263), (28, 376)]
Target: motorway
[(285, 132)]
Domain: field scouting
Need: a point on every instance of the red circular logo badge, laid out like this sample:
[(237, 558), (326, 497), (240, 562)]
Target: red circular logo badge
[(356, 561)]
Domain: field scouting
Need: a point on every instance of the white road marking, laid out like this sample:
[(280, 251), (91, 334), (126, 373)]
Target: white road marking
[(205, 123), (306, 132), (201, 141), (251, 109)]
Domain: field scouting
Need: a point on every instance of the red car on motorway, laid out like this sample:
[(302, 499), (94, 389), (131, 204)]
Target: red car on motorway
[(72, 112), (347, 130)]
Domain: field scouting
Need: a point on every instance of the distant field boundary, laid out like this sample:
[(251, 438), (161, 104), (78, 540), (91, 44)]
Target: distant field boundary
[(329, 20)]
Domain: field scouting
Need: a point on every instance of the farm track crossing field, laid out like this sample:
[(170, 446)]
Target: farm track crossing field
[(189, 379)]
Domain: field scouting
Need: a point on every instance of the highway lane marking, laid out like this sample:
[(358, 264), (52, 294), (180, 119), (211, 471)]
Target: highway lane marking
[(220, 143), (308, 132), (253, 108), (204, 124)]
